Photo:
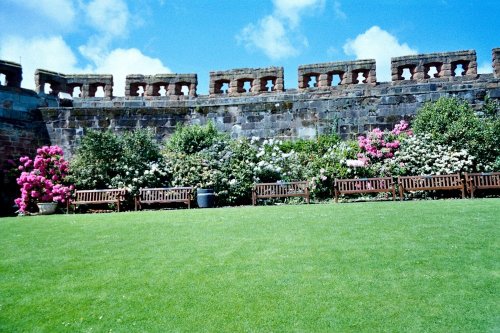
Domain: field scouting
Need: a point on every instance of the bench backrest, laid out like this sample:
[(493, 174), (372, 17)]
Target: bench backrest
[(281, 189), (104, 196), (364, 184), (165, 194), (430, 182), (483, 180)]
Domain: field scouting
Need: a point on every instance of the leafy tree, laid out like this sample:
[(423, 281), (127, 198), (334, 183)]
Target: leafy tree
[(453, 122), (106, 159), (192, 139)]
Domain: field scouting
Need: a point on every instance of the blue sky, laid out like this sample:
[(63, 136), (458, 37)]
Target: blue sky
[(122, 37)]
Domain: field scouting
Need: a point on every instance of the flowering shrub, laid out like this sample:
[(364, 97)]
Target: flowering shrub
[(226, 167), (453, 122), (321, 170), (42, 178), (108, 160), (420, 155), (275, 164), (192, 139), (378, 145)]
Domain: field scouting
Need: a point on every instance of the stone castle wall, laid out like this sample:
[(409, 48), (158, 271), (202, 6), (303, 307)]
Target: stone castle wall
[(343, 97)]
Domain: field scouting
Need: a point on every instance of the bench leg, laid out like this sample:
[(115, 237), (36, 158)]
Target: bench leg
[(400, 193), (336, 196)]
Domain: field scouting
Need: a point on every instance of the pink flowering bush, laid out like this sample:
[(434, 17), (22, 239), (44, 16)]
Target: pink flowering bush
[(378, 145), (41, 179)]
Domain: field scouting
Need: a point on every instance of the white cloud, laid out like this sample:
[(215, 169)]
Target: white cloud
[(380, 45), (108, 16), (293, 9), (121, 62), (485, 68), (54, 54), (58, 11), (278, 35), (51, 53), (339, 13), (269, 36)]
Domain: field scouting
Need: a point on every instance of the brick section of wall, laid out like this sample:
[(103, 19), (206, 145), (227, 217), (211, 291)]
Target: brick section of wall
[(21, 132)]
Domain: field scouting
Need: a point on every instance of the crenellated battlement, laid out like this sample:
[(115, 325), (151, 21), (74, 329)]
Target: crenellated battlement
[(168, 85), (446, 65), (13, 73), (331, 74), (87, 84), (496, 62), (240, 81)]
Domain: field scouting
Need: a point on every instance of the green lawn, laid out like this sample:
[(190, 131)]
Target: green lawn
[(413, 266)]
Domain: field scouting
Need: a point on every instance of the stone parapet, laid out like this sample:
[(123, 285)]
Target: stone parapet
[(496, 62), (329, 74), (240, 81), (57, 82), (446, 65), (13, 73), (66, 83), (89, 84), (161, 85)]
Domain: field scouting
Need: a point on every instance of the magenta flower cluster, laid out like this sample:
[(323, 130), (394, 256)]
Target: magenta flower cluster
[(41, 178), (378, 145)]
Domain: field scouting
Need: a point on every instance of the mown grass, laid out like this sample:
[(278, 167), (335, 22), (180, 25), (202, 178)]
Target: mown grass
[(412, 266)]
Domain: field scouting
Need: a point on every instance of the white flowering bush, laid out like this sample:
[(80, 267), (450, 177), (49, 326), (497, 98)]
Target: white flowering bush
[(227, 167), (108, 160), (420, 155), (275, 164), (322, 169)]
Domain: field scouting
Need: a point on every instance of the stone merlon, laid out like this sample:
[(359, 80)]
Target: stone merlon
[(161, 85), (446, 65), (13, 73), (496, 62), (326, 75), (247, 80), (87, 83)]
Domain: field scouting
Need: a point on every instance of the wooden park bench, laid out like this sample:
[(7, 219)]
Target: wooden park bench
[(164, 195), (280, 190), (94, 197), (482, 181), (364, 185), (430, 183)]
